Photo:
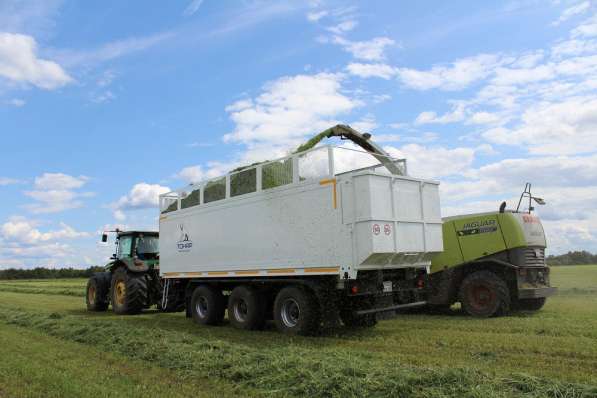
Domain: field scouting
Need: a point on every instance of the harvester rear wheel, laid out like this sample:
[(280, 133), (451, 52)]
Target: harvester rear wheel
[(208, 305), (532, 304), (246, 308), (484, 294), (98, 288), (297, 311), (129, 291)]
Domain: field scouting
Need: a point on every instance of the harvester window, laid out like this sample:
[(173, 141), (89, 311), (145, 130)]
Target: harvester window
[(243, 182), (314, 164), (214, 190), (276, 174), (191, 199)]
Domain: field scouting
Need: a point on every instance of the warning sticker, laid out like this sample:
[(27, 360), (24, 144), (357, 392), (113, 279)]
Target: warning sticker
[(376, 229)]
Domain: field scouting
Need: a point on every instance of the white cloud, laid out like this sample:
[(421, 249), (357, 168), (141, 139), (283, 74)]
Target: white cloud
[(458, 75), (16, 102), (366, 124), (509, 76), (434, 162), (141, 196), (483, 118), (566, 127), (25, 231), (9, 181), (344, 26), (457, 114), (192, 8), (383, 71), (59, 181), (572, 11), (587, 29), (369, 50), (288, 109), (316, 15), (55, 192), (19, 63)]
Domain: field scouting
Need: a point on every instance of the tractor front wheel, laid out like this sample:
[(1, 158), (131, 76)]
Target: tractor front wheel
[(484, 294), (130, 292)]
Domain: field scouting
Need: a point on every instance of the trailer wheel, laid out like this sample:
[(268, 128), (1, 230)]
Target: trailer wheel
[(130, 292), (532, 304), (98, 289), (484, 294), (208, 305), (296, 311), (246, 308)]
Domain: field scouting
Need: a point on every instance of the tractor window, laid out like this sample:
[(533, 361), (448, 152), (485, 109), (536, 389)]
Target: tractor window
[(124, 246), (147, 247)]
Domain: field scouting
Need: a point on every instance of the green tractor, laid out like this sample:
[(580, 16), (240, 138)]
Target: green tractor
[(131, 281), (492, 263)]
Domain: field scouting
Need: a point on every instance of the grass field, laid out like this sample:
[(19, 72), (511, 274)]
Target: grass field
[(50, 346)]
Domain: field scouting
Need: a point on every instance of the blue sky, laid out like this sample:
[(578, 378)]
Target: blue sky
[(104, 105)]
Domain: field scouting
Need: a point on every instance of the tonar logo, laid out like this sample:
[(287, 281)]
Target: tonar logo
[(184, 244)]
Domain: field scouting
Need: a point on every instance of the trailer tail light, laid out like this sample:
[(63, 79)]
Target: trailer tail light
[(354, 289)]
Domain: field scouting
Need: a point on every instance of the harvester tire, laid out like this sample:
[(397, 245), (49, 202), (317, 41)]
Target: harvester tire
[(246, 308), (484, 294), (97, 292), (208, 305), (532, 304), (297, 311), (130, 292)]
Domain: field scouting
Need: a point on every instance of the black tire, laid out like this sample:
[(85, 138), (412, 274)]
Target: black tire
[(357, 321), (246, 308), (297, 311), (135, 295), (208, 305), (484, 294), (532, 304), (97, 292)]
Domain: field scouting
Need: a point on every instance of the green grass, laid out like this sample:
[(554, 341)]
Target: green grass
[(549, 353)]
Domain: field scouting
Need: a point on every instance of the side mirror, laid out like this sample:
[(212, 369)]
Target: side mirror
[(104, 237)]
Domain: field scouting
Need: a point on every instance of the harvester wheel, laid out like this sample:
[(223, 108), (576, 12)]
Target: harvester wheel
[(246, 308), (208, 305), (129, 291), (98, 288), (484, 294), (532, 304), (297, 311)]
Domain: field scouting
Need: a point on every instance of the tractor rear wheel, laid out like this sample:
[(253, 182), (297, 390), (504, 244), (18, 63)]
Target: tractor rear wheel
[(532, 304), (246, 308), (484, 294), (297, 311), (208, 305), (130, 292), (98, 289)]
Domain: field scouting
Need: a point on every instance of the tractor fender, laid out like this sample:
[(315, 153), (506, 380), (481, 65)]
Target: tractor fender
[(129, 264)]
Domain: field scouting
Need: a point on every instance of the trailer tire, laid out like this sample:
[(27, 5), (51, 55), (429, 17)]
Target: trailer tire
[(246, 308), (129, 292), (97, 292), (532, 304), (208, 305), (297, 311), (484, 294)]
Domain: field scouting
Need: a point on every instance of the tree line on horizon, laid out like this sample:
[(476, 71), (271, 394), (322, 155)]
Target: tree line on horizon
[(571, 258)]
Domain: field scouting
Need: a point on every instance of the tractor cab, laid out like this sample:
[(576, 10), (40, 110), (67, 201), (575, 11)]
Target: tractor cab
[(137, 250)]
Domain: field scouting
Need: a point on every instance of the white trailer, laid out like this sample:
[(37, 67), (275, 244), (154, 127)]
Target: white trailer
[(300, 239)]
